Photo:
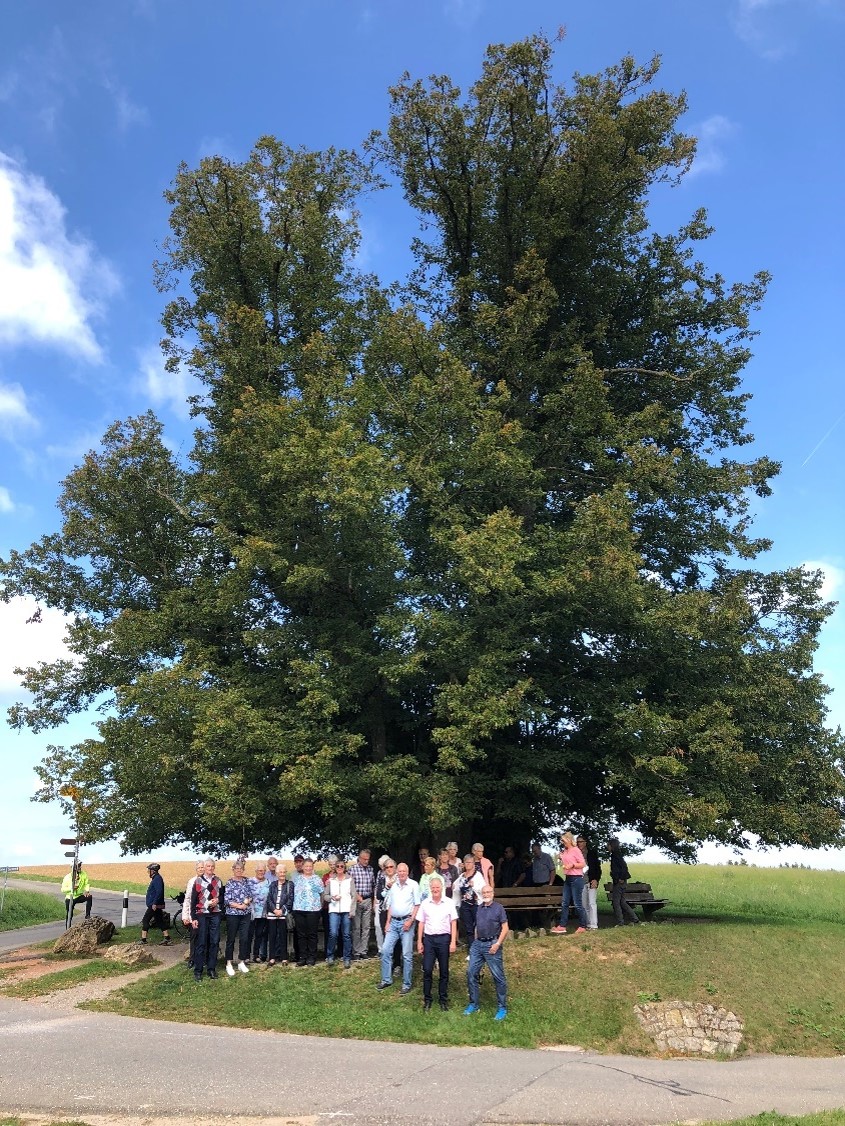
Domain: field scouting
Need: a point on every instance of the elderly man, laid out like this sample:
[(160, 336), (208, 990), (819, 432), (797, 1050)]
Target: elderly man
[(403, 903), (437, 938), (364, 879), (491, 929), (206, 910)]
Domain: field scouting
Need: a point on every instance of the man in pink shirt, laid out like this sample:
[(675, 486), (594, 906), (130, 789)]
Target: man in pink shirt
[(437, 938)]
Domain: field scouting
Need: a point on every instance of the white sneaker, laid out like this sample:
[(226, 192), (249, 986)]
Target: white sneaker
[(243, 967), (230, 969)]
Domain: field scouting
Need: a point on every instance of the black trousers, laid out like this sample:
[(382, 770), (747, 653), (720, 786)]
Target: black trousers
[(71, 903), (237, 926), (307, 924), (467, 913), (436, 949), (277, 938), (154, 915)]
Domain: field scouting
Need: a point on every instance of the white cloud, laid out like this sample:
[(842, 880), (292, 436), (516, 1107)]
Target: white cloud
[(52, 284), (712, 136), (165, 388), (767, 28), (129, 113), (6, 503), (14, 410), (26, 642), (833, 577), (463, 12)]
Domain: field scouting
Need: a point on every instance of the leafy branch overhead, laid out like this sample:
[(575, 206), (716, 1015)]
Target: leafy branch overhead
[(469, 553)]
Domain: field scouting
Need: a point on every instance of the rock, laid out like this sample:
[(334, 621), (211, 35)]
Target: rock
[(78, 940), (130, 954), (102, 928), (690, 1028)]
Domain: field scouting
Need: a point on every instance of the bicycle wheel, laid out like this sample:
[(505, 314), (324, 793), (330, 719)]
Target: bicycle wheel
[(178, 927)]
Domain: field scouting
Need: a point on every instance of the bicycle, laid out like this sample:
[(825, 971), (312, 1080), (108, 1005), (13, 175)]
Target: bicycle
[(180, 929)]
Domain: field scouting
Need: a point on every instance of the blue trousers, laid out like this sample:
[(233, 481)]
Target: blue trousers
[(573, 892), (208, 940), (396, 933), (339, 921), (479, 956)]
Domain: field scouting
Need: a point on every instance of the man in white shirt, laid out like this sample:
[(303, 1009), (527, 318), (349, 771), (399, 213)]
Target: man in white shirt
[(403, 902), (437, 938)]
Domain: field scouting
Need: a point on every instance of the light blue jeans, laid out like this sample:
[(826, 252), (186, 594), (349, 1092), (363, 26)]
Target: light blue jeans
[(396, 933), (573, 892), (339, 921)]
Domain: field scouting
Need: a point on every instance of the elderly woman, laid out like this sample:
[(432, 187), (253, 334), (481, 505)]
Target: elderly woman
[(572, 862), (429, 865), (279, 908), (238, 900), (260, 890), (342, 900), (186, 910), (307, 906), (384, 882)]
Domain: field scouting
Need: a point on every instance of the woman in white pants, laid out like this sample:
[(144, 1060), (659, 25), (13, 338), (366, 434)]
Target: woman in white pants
[(592, 877)]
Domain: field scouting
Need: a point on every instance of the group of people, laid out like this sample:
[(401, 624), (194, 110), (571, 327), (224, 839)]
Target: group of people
[(420, 909), (263, 912)]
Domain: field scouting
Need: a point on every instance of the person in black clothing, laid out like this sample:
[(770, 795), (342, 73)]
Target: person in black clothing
[(592, 876), (620, 875), (509, 868), (155, 913)]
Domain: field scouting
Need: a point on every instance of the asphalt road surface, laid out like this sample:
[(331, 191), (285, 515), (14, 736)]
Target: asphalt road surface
[(72, 1061)]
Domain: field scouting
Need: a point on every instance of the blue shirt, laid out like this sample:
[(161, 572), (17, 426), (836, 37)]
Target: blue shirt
[(488, 921), (155, 892), (238, 891), (308, 894), (402, 899)]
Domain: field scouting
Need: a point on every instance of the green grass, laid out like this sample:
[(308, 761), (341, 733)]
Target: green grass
[(745, 892), (823, 1118), (737, 931), (66, 979), (27, 908)]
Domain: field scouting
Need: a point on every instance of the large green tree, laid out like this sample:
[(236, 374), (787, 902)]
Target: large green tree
[(472, 554)]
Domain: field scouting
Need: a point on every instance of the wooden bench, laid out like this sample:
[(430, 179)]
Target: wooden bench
[(640, 895), (530, 899)]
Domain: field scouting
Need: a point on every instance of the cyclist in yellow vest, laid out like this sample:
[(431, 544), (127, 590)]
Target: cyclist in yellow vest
[(77, 889)]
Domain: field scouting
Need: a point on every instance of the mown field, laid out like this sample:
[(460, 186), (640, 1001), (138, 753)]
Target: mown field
[(766, 943)]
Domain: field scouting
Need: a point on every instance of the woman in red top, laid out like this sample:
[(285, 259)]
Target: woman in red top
[(573, 863)]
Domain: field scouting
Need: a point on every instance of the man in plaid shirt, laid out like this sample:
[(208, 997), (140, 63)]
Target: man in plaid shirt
[(364, 879)]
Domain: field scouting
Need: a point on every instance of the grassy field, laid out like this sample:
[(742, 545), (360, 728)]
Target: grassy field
[(27, 908)]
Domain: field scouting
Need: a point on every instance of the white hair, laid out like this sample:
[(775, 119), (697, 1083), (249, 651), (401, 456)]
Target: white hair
[(382, 860), (435, 879)]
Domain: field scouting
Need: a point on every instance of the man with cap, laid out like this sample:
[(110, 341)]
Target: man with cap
[(155, 906)]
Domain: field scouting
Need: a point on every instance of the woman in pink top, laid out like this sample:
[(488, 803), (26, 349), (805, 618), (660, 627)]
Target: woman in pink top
[(573, 863)]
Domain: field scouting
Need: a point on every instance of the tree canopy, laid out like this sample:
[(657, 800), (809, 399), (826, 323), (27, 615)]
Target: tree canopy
[(469, 553)]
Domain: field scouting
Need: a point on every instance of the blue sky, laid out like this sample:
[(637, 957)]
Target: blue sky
[(99, 102)]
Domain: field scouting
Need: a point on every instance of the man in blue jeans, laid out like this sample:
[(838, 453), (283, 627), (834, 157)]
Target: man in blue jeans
[(403, 902), (491, 928)]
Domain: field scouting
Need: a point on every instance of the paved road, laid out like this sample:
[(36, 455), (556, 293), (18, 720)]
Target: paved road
[(109, 904), (71, 1061)]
